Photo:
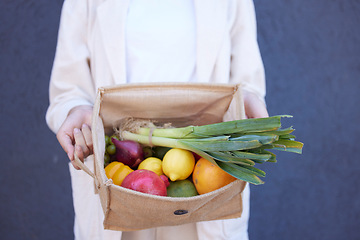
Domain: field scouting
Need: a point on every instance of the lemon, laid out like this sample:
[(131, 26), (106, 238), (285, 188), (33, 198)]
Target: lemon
[(181, 188), (178, 164), (153, 164)]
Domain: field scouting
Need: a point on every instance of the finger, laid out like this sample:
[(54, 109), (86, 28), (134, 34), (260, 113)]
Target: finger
[(79, 153), (87, 136), (75, 166), (80, 141), (66, 142)]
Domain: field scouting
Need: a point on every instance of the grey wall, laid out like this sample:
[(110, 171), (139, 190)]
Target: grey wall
[(312, 58), (311, 53)]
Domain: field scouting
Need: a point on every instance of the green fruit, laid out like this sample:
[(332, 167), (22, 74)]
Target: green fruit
[(111, 149), (148, 152), (106, 158), (113, 136), (181, 188), (159, 152), (107, 140)]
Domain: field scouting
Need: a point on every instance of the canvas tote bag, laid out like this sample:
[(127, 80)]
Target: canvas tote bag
[(181, 104)]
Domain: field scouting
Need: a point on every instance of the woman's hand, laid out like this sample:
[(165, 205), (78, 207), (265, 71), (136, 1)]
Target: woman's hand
[(75, 134), (254, 107)]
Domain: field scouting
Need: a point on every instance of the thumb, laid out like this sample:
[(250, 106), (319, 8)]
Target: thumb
[(254, 106), (256, 110)]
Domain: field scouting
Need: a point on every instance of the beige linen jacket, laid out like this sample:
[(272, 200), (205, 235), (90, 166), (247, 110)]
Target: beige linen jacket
[(91, 50)]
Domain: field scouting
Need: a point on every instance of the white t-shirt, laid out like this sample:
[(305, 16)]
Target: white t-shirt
[(160, 41)]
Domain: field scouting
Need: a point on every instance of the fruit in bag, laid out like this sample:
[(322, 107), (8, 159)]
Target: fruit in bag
[(178, 164), (208, 177), (117, 171), (181, 188), (145, 181)]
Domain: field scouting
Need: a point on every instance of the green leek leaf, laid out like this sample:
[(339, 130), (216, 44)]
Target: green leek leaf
[(253, 156), (233, 170), (286, 145), (227, 157), (223, 145), (239, 126)]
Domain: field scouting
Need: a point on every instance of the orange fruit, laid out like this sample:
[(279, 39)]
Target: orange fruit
[(111, 168), (120, 174), (208, 177), (117, 171)]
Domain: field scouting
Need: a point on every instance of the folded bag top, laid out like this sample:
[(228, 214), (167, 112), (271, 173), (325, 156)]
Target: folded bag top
[(180, 104)]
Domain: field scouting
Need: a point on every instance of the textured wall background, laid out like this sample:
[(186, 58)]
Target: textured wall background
[(312, 58)]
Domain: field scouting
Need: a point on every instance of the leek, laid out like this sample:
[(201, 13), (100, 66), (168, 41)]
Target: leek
[(235, 146)]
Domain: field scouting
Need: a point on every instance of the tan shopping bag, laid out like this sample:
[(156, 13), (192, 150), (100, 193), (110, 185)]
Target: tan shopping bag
[(181, 104)]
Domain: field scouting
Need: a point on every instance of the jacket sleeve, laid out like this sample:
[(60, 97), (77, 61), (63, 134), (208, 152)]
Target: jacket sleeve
[(246, 63), (71, 83)]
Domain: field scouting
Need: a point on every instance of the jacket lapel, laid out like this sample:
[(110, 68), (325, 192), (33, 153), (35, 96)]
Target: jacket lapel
[(112, 19), (211, 27)]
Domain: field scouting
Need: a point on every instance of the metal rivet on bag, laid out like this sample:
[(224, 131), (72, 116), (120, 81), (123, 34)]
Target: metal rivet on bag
[(180, 212)]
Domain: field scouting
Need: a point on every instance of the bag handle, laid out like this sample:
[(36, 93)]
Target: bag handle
[(81, 165)]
